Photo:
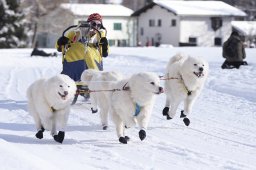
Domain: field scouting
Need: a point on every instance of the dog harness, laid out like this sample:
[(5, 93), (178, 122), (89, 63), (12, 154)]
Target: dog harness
[(137, 109), (52, 109), (185, 87)]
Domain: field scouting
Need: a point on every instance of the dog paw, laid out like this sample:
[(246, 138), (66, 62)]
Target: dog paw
[(39, 134), (182, 115), (123, 140), (105, 127), (186, 121), (127, 138), (165, 111), (60, 137), (94, 111), (142, 134)]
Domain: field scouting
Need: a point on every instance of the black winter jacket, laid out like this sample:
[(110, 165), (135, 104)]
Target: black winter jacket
[(236, 44)]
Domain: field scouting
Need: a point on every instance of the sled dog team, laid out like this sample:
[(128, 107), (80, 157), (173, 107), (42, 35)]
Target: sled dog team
[(130, 102)]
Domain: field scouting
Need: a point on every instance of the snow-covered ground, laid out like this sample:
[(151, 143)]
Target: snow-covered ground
[(221, 134)]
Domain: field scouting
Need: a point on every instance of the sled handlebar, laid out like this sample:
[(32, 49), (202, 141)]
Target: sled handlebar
[(82, 25)]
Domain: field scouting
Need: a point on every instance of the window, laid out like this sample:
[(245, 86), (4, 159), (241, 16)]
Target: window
[(159, 23), (151, 23), (217, 41), (192, 40), (141, 31), (118, 26), (111, 42), (216, 23), (173, 22)]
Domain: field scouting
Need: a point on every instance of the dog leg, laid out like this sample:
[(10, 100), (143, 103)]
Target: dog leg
[(104, 116), (174, 107), (53, 130), (119, 127), (94, 103), (143, 120), (166, 109), (188, 104)]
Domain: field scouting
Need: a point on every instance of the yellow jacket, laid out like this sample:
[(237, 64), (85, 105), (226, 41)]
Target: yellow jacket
[(77, 51)]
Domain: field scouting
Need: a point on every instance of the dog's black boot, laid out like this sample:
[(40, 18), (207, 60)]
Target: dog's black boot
[(40, 134), (94, 111), (168, 117), (182, 115), (127, 138), (126, 127), (186, 121), (165, 111), (142, 134), (105, 127), (60, 137), (123, 140)]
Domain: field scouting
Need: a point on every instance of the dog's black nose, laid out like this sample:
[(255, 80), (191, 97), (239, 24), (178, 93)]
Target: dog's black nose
[(65, 92), (201, 69), (161, 90)]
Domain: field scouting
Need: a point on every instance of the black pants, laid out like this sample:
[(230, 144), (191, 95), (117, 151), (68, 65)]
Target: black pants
[(234, 64), (37, 52)]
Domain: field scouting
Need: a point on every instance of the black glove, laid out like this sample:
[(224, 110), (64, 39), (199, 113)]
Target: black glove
[(104, 45), (62, 41)]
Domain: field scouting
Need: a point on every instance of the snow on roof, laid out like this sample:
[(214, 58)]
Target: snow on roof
[(209, 8), (245, 27), (102, 9)]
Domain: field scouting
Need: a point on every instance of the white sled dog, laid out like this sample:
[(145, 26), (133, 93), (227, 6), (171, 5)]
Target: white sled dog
[(185, 79), (100, 84), (49, 103), (134, 103)]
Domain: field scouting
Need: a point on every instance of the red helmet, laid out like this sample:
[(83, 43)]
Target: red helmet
[(94, 16)]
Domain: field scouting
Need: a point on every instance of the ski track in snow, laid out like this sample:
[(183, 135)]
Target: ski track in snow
[(221, 134)]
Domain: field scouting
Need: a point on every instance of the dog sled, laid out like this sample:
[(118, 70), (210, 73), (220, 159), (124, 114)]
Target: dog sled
[(82, 87)]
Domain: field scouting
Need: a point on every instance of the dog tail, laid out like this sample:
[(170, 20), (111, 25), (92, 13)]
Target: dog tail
[(176, 58), (88, 74)]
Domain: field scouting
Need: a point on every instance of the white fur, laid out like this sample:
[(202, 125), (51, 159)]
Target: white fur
[(176, 90), (142, 89), (99, 82), (43, 95)]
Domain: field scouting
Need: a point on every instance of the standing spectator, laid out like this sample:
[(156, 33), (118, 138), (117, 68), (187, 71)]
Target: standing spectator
[(233, 52)]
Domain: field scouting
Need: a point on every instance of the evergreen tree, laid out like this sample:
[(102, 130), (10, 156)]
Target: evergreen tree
[(12, 33)]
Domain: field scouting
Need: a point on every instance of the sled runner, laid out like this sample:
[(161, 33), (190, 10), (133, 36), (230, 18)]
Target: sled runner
[(84, 27)]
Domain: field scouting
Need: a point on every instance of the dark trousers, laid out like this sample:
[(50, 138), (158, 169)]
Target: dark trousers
[(234, 64)]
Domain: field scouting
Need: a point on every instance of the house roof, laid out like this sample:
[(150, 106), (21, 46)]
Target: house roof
[(195, 8), (247, 28), (102, 9)]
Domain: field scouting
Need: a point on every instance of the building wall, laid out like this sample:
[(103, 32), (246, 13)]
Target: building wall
[(201, 28), (166, 33)]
